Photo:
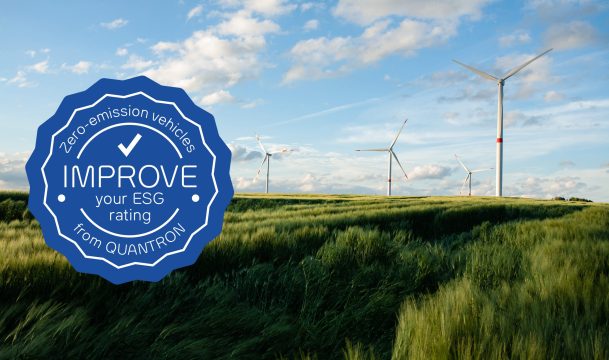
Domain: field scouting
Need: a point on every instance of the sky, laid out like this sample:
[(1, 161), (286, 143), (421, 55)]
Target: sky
[(325, 78)]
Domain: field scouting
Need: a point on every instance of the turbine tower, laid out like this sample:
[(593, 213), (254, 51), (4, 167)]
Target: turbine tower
[(267, 159), (500, 81), (391, 156), (469, 175)]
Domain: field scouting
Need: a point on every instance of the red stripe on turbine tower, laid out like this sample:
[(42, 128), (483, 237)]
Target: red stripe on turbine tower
[(499, 140)]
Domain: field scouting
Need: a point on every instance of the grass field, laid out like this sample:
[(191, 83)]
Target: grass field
[(331, 277)]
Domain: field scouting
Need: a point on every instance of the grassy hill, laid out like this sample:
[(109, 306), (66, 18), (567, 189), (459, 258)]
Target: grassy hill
[(331, 277)]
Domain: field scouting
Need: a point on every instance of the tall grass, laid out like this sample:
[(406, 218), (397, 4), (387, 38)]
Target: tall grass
[(332, 277), (530, 290)]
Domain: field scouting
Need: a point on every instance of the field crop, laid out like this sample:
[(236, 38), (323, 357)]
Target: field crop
[(330, 277)]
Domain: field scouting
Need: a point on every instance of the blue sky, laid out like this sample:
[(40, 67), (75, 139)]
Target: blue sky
[(325, 78)]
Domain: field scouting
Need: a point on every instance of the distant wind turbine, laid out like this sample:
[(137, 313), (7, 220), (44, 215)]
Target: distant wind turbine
[(391, 155), (469, 175), (500, 81), (267, 159)]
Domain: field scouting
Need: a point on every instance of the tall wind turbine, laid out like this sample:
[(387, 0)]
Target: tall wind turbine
[(267, 160), (500, 81), (391, 155), (469, 175)]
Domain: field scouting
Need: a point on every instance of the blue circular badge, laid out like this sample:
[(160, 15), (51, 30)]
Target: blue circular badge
[(129, 180)]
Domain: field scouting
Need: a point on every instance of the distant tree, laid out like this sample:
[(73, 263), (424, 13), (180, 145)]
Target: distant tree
[(579, 199), (11, 210)]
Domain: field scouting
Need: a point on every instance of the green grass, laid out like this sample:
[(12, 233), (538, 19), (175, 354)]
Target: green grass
[(326, 277)]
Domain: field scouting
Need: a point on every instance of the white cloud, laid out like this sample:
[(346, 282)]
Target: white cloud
[(367, 11), (215, 58), (311, 5), (242, 153), (548, 187), (41, 67), (311, 25), (81, 67), (137, 63), (423, 25), (32, 53), (12, 171), (243, 24), (555, 11), (218, 97), (428, 171), (165, 46), (518, 37), (571, 35), (122, 51), (114, 24), (553, 96), (263, 7), (308, 183), (208, 61), (20, 80), (195, 11), (325, 57)]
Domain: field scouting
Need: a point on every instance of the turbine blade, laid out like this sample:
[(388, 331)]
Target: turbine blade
[(481, 170), (518, 68), (462, 164), (260, 168), (260, 144), (479, 72), (398, 161), (464, 182), (372, 150), (398, 135), (284, 150)]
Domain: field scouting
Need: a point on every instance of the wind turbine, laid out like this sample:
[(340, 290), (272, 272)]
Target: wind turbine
[(500, 81), (469, 175), (267, 159), (391, 155)]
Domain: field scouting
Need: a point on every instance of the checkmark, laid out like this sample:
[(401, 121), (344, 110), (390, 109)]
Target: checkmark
[(127, 150)]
